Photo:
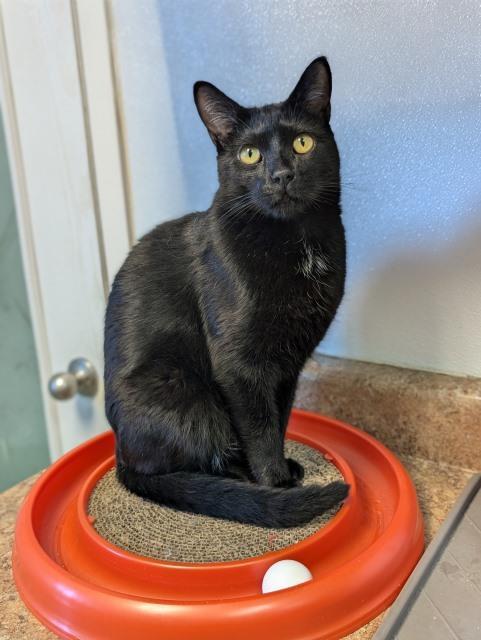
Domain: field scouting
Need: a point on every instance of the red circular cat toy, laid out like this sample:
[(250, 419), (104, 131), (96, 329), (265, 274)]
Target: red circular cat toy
[(81, 586)]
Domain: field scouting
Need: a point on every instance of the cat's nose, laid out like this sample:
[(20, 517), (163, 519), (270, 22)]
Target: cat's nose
[(282, 177)]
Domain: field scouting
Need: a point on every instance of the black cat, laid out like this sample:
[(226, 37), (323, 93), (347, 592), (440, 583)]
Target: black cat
[(212, 317)]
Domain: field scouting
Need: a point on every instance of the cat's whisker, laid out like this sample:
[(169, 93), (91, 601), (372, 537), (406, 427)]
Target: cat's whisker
[(236, 199), (330, 190), (325, 200), (354, 181), (243, 203), (234, 209)]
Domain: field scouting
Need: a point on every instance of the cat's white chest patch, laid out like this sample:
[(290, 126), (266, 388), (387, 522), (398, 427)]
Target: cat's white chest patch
[(313, 264)]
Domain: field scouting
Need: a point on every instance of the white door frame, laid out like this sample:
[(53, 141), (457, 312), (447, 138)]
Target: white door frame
[(62, 116)]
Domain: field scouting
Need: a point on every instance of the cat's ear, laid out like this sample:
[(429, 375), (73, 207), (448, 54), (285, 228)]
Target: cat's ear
[(313, 91), (218, 112)]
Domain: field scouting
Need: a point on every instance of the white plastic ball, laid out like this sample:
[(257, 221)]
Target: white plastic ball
[(285, 574)]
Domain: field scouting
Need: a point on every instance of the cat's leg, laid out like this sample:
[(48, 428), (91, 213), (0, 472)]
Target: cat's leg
[(255, 416), (285, 393), (286, 390), (168, 419), (238, 471)]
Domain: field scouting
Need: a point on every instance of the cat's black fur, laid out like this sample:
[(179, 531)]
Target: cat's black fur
[(212, 317)]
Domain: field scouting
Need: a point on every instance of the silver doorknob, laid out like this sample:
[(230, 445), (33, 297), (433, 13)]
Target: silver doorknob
[(81, 378)]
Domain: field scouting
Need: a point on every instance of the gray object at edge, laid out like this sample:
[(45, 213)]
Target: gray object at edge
[(442, 598)]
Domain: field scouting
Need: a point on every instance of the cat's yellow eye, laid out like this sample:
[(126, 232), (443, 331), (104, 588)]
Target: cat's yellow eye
[(303, 143), (249, 155)]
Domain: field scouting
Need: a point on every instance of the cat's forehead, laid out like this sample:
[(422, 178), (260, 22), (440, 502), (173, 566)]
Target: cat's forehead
[(270, 117), (272, 120)]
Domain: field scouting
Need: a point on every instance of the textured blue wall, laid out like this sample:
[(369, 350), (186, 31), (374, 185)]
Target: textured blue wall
[(407, 117)]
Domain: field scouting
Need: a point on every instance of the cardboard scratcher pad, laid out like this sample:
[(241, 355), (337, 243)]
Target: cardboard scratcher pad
[(155, 531)]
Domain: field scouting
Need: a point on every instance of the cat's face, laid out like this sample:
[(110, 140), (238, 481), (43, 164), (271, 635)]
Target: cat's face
[(281, 159)]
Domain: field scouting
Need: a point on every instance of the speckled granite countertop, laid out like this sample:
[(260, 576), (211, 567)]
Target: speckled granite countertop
[(438, 485), (419, 413)]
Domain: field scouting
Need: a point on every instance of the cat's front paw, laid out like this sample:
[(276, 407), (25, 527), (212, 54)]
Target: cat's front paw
[(296, 470), (285, 474), (293, 472)]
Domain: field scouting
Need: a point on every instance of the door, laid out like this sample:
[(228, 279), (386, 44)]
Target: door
[(61, 120)]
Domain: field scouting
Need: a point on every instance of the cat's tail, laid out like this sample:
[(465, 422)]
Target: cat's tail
[(233, 499)]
